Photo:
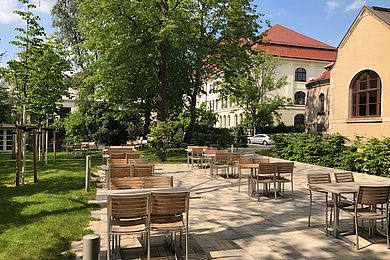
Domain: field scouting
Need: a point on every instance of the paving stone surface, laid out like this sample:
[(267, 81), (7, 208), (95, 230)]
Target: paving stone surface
[(226, 224)]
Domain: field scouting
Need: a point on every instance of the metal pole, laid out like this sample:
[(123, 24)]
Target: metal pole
[(87, 172), (91, 247)]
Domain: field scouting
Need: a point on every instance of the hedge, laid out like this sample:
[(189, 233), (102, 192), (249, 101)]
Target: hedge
[(335, 151)]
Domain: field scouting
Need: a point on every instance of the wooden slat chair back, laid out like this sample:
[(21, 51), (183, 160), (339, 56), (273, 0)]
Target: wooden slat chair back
[(142, 170), (133, 156), (137, 161), (246, 160), (197, 151), (222, 157), (119, 171), (127, 214), (116, 161), (285, 173), (318, 178), (167, 205), (344, 177), (127, 183), (373, 195), (261, 160), (234, 157), (266, 174), (117, 155), (222, 151), (158, 182)]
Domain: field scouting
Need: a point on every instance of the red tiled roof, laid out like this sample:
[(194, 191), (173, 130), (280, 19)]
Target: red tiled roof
[(284, 42), (324, 77)]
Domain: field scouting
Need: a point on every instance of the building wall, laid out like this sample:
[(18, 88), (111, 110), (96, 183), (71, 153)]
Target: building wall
[(317, 121), (286, 68), (367, 47)]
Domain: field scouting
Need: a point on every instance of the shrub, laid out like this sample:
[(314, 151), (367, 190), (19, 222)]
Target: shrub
[(162, 137), (212, 136), (372, 157)]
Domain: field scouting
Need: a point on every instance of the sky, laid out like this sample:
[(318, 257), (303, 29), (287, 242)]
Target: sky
[(324, 20)]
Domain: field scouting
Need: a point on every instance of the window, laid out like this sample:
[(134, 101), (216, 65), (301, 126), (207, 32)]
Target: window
[(228, 121), (300, 74), (220, 121), (299, 119), (322, 102), (224, 121), (241, 118), (366, 95), (216, 104), (235, 120), (299, 98)]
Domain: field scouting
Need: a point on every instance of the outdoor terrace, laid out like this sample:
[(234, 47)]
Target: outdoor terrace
[(225, 224)]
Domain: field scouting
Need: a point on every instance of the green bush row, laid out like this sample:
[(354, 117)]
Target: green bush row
[(336, 151)]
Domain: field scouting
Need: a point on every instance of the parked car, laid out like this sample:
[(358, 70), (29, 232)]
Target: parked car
[(263, 139)]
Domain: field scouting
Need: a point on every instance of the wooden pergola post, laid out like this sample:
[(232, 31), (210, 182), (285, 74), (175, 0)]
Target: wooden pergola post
[(35, 151), (54, 147), (18, 156)]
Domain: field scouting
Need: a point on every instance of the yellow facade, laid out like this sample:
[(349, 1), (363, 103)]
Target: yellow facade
[(365, 47)]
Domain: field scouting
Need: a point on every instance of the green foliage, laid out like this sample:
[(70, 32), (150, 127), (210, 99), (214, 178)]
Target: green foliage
[(100, 122), (37, 76), (162, 137), (251, 85), (213, 136), (372, 157), (6, 106), (240, 138)]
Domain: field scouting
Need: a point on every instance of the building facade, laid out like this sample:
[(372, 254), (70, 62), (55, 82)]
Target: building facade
[(301, 58), (360, 77)]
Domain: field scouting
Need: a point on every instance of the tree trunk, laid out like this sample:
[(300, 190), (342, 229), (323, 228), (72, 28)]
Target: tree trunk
[(191, 127), (253, 113), (147, 114)]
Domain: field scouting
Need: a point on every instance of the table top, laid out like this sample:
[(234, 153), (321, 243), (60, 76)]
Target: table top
[(344, 187), (138, 191), (249, 165)]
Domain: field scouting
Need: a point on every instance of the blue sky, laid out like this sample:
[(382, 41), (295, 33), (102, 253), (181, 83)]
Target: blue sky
[(324, 20)]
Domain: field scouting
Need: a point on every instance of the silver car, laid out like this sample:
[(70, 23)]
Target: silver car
[(263, 139)]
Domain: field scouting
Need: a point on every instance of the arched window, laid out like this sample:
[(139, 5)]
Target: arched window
[(300, 74), (299, 119), (322, 102), (224, 121), (241, 118), (213, 106), (299, 98), (366, 95), (235, 120), (228, 121), (216, 104), (220, 121)]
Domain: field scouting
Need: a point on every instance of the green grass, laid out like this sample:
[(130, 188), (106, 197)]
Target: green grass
[(175, 155), (39, 221)]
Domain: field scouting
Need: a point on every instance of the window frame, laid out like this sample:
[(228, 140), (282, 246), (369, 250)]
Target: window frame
[(300, 75), (356, 94), (296, 101)]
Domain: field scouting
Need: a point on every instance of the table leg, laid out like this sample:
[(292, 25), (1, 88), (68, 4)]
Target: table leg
[(335, 215)]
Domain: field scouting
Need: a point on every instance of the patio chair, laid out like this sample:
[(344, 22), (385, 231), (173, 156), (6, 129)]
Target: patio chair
[(285, 174), (126, 215), (117, 155), (319, 178), (133, 156), (196, 156), (170, 214), (158, 182), (136, 161), (344, 177), (116, 161), (259, 159), (369, 197), (234, 159), (127, 183), (222, 161), (141, 170), (208, 157), (117, 171), (266, 174)]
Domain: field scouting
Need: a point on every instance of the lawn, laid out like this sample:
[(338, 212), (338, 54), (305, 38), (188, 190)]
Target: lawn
[(39, 221), (175, 155)]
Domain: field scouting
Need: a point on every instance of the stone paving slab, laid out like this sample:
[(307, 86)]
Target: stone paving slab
[(226, 224)]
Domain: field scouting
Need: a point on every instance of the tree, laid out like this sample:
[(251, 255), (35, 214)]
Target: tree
[(221, 34), (254, 88), (37, 76)]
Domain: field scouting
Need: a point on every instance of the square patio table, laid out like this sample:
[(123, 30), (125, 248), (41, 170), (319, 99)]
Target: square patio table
[(337, 189)]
